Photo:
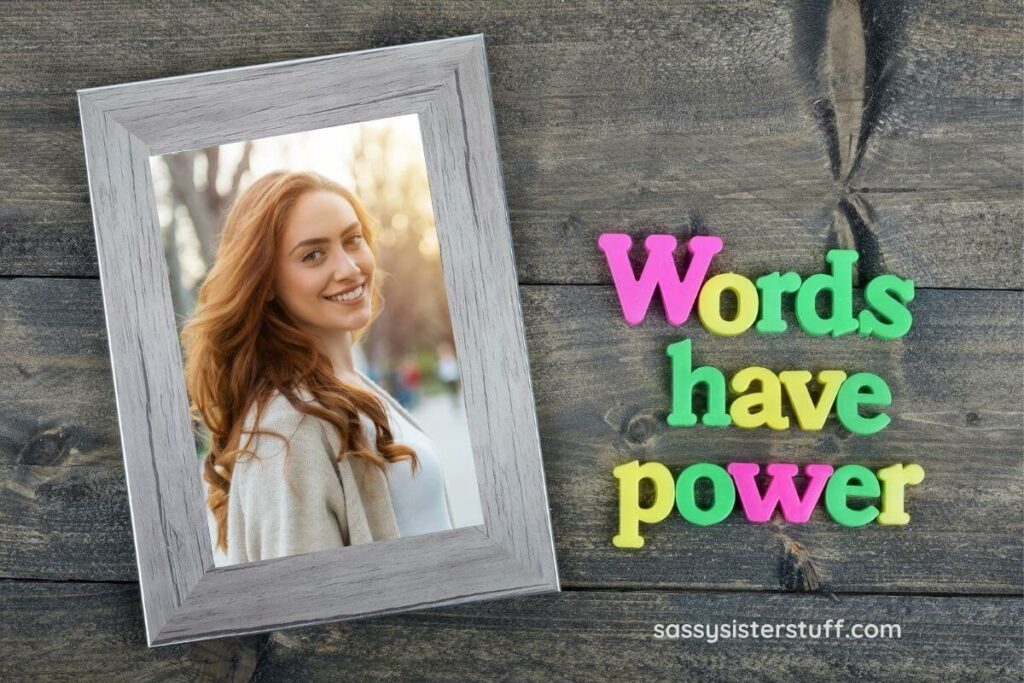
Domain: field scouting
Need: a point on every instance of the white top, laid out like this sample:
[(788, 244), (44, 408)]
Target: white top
[(417, 498)]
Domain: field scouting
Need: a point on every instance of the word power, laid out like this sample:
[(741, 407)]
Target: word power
[(738, 479)]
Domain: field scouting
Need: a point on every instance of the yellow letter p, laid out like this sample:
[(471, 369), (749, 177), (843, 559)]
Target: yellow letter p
[(630, 512)]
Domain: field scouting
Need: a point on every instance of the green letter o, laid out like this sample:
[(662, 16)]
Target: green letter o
[(686, 494)]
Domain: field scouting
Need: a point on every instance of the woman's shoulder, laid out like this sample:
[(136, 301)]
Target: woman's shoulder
[(277, 409), (389, 400), (277, 413), (277, 424)]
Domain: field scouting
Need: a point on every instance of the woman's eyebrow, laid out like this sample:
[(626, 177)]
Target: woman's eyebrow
[(322, 240)]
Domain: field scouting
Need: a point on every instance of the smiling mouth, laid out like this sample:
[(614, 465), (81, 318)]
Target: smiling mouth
[(348, 297)]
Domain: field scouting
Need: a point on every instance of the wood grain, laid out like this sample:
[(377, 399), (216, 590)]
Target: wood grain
[(62, 487), (608, 636), (70, 631), (956, 410), (951, 238), (670, 115), (682, 117), (92, 631), (603, 395), (446, 84)]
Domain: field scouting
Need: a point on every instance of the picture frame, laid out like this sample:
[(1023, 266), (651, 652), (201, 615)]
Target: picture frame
[(184, 596)]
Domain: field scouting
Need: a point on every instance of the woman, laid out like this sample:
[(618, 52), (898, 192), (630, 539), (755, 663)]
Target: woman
[(306, 453)]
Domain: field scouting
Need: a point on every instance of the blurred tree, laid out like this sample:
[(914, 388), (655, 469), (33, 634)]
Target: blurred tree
[(415, 316), (181, 297), (204, 206)]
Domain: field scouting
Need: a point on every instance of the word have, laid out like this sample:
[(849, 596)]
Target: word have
[(763, 407), (849, 481), (886, 295)]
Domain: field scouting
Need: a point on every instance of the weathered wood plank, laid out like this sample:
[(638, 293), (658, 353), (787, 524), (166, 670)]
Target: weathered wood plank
[(653, 116), (62, 486), (951, 238), (949, 91), (74, 625), (603, 394), (609, 636), (58, 631), (957, 411), (81, 631), (692, 116)]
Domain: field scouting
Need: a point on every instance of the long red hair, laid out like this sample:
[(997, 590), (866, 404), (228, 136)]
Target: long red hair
[(241, 346)]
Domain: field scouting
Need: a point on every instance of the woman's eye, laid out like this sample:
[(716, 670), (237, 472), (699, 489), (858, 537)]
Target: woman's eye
[(307, 259), (355, 239)]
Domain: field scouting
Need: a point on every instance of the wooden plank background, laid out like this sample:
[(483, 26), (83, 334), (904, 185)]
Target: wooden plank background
[(894, 127)]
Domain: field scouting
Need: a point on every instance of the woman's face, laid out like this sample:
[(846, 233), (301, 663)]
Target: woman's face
[(324, 270)]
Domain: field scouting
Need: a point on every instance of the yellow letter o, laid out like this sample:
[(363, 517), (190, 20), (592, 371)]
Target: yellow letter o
[(709, 305)]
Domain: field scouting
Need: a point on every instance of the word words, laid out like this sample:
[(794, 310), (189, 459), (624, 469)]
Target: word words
[(886, 295)]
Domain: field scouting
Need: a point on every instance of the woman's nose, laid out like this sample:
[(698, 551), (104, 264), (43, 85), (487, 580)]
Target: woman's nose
[(345, 266)]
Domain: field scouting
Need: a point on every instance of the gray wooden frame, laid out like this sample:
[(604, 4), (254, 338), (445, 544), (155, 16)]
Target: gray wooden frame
[(184, 596)]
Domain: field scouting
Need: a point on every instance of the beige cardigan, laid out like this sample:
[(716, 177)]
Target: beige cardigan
[(307, 502)]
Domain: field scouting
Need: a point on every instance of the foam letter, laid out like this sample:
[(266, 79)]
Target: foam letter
[(810, 416), (630, 512), (772, 287), (769, 398), (895, 316), (839, 284), (863, 388), (894, 478), (684, 377), (709, 305), (781, 491), (686, 494), (659, 270), (851, 480)]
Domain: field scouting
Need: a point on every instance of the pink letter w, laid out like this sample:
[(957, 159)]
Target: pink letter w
[(659, 270), (781, 490)]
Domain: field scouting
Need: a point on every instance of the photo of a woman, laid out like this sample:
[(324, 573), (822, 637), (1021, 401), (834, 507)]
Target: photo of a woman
[(306, 453)]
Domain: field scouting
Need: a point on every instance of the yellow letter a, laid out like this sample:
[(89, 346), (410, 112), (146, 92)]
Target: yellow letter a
[(810, 416)]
